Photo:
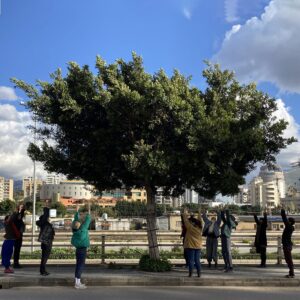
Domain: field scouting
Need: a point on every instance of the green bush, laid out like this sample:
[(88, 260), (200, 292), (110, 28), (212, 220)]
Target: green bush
[(153, 265)]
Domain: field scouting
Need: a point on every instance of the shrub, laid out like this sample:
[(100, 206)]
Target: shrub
[(153, 265)]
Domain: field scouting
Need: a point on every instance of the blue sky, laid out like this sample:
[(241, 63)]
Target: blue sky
[(38, 36)]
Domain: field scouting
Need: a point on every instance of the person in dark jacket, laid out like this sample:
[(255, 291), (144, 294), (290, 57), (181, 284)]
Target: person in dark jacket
[(228, 225), (19, 223), (287, 243), (211, 231), (261, 238), (11, 234), (46, 237)]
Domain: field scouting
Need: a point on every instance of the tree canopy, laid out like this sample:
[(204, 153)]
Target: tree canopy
[(125, 127)]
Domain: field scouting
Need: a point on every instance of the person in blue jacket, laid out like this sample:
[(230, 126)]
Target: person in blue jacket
[(81, 241)]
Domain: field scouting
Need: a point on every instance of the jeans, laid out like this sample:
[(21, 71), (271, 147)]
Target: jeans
[(80, 261), (17, 249), (287, 250), (226, 251), (6, 252), (193, 256), (46, 250)]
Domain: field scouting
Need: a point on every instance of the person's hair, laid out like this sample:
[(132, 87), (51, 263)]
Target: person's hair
[(76, 225), (195, 222), (291, 220), (6, 217)]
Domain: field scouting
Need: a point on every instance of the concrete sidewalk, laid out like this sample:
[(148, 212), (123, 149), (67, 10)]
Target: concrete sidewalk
[(99, 275)]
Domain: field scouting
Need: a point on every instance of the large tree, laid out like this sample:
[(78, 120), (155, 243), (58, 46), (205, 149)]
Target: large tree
[(124, 127)]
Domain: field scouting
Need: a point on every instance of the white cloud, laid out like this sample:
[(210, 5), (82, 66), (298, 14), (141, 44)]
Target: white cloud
[(187, 13), (231, 11), (291, 153), (8, 93), (14, 140), (266, 49)]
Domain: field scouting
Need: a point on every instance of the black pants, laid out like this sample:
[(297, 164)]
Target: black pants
[(80, 261), (287, 250), (46, 250), (262, 250), (17, 250)]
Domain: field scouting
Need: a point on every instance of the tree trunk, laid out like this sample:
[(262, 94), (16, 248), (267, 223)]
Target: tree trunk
[(151, 223)]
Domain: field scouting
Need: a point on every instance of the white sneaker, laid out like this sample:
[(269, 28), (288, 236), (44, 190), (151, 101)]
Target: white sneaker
[(80, 286)]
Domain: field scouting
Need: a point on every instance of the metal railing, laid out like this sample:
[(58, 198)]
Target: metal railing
[(166, 240)]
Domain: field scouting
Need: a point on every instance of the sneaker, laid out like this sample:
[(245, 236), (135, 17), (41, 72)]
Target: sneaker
[(290, 276), (9, 271), (45, 273), (17, 266), (80, 286)]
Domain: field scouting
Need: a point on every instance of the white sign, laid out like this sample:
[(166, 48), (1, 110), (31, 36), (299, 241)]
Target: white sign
[(52, 213)]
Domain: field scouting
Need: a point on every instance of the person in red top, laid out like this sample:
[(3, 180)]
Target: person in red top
[(11, 234)]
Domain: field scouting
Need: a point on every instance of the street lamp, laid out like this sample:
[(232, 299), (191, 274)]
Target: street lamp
[(34, 188)]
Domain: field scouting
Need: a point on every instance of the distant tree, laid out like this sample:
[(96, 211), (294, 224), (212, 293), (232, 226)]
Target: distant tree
[(125, 127), (60, 209), (7, 207)]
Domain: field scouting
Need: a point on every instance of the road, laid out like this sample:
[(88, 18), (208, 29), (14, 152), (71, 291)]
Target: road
[(150, 293)]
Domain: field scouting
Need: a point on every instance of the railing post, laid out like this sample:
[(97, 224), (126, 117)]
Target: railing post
[(103, 249), (279, 251)]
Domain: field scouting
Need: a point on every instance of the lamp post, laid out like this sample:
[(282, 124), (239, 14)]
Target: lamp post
[(34, 188)]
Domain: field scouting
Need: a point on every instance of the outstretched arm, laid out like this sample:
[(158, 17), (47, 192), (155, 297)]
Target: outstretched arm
[(256, 219), (284, 218), (205, 218), (223, 217), (218, 218)]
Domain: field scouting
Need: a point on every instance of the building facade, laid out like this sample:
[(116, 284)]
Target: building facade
[(6, 189), (28, 185), (76, 189), (267, 189)]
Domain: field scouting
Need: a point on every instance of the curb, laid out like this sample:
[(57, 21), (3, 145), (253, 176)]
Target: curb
[(6, 283)]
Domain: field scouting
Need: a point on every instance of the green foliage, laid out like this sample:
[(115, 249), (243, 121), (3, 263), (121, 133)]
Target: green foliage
[(136, 209), (154, 265), (38, 207), (60, 209), (7, 207), (123, 126)]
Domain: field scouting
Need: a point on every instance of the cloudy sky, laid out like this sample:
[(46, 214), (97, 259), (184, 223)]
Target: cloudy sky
[(257, 39)]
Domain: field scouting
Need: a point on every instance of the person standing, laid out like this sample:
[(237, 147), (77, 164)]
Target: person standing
[(211, 231), (226, 229), (46, 237), (81, 241), (287, 243), (193, 241), (20, 225), (183, 233), (261, 238), (11, 234)]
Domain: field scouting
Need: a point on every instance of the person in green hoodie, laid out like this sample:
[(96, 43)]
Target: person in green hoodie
[(81, 241)]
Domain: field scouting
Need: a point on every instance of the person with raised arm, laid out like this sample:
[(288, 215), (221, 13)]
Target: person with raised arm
[(81, 241), (10, 236), (211, 231), (193, 241), (20, 225), (287, 243), (46, 237), (228, 225), (261, 238)]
